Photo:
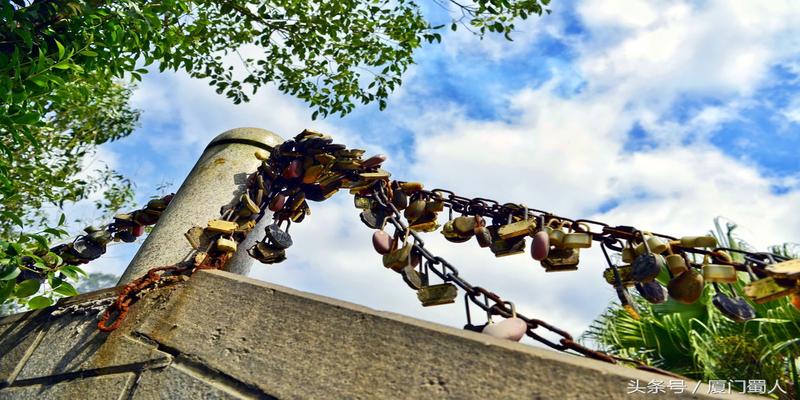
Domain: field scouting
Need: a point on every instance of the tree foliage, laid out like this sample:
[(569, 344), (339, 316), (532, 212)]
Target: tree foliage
[(65, 67)]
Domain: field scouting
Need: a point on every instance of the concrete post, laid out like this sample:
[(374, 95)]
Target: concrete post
[(216, 180)]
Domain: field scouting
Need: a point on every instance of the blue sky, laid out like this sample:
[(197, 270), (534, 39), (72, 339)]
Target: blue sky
[(656, 114)]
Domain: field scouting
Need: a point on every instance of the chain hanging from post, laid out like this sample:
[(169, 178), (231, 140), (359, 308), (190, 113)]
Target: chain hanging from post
[(312, 168)]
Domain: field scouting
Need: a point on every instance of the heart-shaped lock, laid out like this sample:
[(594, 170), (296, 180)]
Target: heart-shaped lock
[(382, 242), (735, 308), (652, 291), (509, 329), (278, 237)]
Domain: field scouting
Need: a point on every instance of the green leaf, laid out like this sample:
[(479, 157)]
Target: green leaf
[(9, 272), (60, 49), (6, 288), (39, 302), (88, 53), (61, 65), (65, 289), (27, 288)]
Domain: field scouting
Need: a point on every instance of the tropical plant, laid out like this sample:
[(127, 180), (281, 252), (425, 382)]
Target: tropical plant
[(699, 342)]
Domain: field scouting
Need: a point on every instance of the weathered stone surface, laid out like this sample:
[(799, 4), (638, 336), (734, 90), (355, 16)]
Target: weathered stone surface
[(111, 387), (174, 383), (291, 344), (217, 179), (18, 336), (72, 343)]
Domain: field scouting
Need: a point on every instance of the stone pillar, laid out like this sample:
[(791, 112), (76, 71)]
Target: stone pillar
[(217, 179)]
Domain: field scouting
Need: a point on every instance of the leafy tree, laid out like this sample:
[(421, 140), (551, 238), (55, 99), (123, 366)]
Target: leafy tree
[(64, 65), (697, 341)]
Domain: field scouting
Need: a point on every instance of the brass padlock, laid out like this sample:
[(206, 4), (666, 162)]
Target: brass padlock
[(577, 240), (675, 263), (787, 269), (655, 245), (698, 241), (425, 223), (624, 275), (222, 226), (249, 204), (506, 247), (524, 227), (435, 295), (449, 233), (226, 245), (398, 257), (561, 260), (414, 210), (556, 232), (767, 289), (267, 254), (687, 287)]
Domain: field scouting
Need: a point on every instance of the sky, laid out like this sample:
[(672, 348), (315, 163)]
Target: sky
[(657, 114)]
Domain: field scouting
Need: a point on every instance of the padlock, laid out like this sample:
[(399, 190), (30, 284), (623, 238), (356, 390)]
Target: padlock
[(425, 223), (413, 278), (198, 237), (507, 247), (377, 175), (626, 301), (511, 230), (278, 237), (449, 233), (652, 291), (126, 236), (656, 245), (767, 289), (465, 225), (410, 187), (398, 257), (101, 237), (414, 210), (561, 260), (226, 245), (577, 240), (87, 250), (540, 245), (434, 205), (624, 275), (687, 287), (698, 241), (675, 263), (647, 265), (435, 295), (719, 273), (294, 170), (556, 232), (249, 204), (482, 233), (374, 218), (157, 205), (735, 308), (277, 202), (628, 253), (313, 173), (399, 198), (261, 155), (146, 217), (509, 329), (267, 254), (787, 269), (374, 161), (222, 226), (363, 203), (382, 242)]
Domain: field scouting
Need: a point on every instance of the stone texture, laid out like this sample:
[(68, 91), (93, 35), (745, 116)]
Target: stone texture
[(173, 383), (218, 178), (111, 387), (18, 336), (296, 345), (72, 343)]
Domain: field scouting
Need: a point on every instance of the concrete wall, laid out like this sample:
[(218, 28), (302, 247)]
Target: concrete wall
[(223, 336)]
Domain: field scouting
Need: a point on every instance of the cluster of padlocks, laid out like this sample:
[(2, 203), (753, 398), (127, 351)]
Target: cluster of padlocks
[(125, 228)]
